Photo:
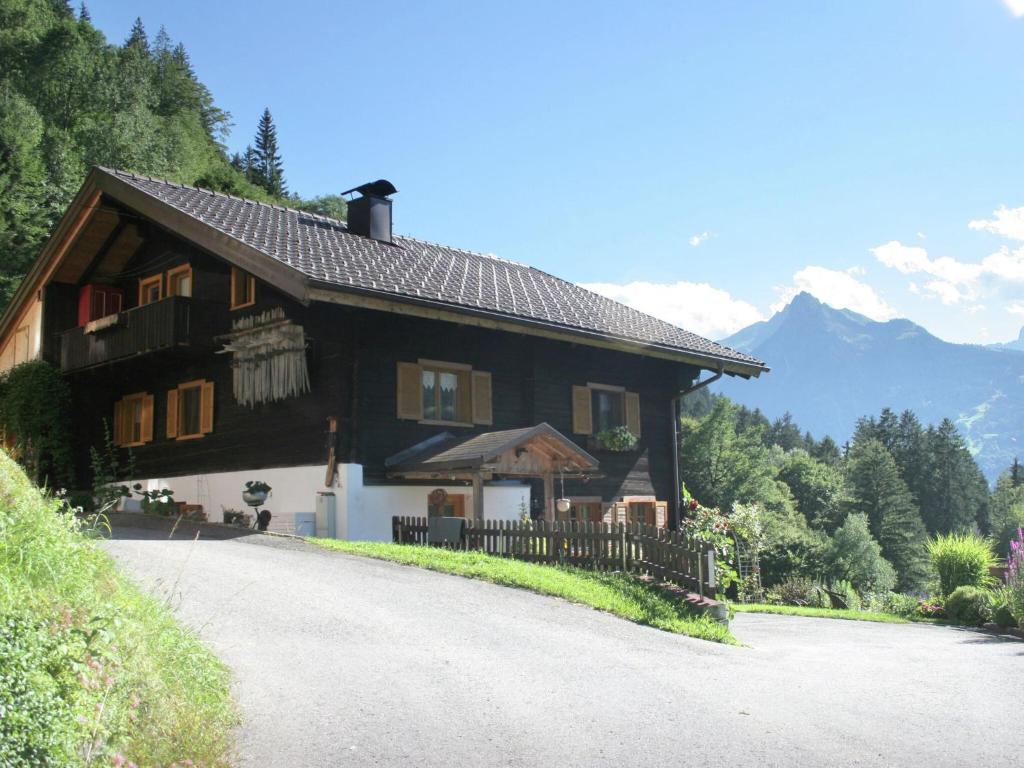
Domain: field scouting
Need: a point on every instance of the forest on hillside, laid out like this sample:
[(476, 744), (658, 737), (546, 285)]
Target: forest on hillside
[(905, 480), (71, 100)]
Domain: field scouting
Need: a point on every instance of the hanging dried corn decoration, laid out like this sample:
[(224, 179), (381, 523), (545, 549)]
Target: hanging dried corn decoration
[(269, 358)]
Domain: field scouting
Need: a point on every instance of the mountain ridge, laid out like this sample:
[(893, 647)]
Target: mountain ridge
[(832, 366)]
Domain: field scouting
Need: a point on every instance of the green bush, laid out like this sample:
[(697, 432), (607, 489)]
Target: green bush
[(962, 560), (853, 555), (969, 605), (36, 719), (895, 603), (91, 670), (847, 592), (799, 590), (1002, 616)]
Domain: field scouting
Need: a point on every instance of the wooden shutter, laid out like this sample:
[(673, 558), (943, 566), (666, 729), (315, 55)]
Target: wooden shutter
[(206, 409), (582, 418), (172, 413), (146, 429), (410, 392), (482, 406), (633, 413), (661, 514), (118, 428)]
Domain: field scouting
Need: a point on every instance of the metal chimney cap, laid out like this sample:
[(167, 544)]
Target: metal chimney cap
[(378, 188)]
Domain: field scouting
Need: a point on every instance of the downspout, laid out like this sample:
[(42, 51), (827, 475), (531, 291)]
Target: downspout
[(674, 407)]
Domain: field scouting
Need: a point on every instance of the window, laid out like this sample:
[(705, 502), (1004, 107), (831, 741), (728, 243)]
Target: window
[(444, 393), (243, 289), (608, 410), (597, 408), (179, 281), (441, 395), (190, 410), (151, 290), (133, 419)]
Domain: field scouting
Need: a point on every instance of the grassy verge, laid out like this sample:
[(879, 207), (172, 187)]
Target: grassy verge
[(92, 671), (819, 613), (613, 593)]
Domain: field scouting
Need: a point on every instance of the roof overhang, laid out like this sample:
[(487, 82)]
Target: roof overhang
[(529, 452), (436, 310)]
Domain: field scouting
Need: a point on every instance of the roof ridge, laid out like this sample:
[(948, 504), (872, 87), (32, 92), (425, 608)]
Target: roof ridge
[(215, 193)]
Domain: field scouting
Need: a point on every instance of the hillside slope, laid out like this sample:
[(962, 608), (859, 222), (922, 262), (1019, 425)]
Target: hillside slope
[(832, 366)]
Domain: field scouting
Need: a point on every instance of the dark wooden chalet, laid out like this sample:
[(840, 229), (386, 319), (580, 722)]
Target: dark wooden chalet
[(223, 339)]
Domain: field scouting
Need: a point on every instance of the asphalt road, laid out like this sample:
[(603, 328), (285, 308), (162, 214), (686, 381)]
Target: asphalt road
[(341, 660)]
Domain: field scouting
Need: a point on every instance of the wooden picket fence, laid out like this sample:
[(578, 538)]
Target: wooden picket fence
[(647, 550)]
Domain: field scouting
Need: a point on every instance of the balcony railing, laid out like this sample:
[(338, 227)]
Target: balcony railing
[(158, 326)]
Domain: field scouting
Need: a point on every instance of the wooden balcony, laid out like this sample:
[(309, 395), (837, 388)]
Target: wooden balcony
[(172, 323)]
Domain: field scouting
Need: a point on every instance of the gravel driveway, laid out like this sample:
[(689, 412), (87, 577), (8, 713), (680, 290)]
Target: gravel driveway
[(341, 660)]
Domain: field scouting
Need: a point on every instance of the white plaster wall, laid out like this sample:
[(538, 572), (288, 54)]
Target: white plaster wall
[(294, 490), (381, 502), (362, 512)]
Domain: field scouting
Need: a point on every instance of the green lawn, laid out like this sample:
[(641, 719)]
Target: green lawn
[(92, 671), (613, 593), (819, 613)]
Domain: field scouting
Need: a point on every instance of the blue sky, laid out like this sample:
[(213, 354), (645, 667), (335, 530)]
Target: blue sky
[(702, 161)]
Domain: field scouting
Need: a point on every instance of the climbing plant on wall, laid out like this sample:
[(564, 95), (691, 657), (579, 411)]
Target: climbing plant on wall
[(35, 406)]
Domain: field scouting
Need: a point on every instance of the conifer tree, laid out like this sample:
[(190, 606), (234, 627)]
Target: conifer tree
[(877, 491), (269, 168), (954, 494), (83, 13)]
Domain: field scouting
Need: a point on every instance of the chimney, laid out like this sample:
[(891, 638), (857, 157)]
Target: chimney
[(369, 214)]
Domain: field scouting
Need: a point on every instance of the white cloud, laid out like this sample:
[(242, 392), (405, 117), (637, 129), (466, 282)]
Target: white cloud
[(1008, 222), (975, 309), (1016, 309), (838, 289), (922, 236), (700, 239), (954, 281), (1016, 7), (697, 307)]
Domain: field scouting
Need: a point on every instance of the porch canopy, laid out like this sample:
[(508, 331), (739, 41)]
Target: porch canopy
[(539, 451)]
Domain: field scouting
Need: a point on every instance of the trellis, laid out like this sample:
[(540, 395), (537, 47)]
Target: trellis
[(268, 358)]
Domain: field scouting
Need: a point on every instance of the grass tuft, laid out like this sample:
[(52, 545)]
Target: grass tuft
[(615, 593), (103, 672)]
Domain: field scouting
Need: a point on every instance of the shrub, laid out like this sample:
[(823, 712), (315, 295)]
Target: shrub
[(846, 591), (853, 555), (1002, 615), (895, 603), (34, 405), (36, 718), (969, 605), (1015, 577), (799, 590), (962, 560)]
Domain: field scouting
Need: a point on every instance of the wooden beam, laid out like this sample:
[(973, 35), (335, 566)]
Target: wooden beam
[(549, 497), (478, 497)]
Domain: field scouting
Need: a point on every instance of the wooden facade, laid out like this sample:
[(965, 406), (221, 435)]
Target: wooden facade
[(179, 304)]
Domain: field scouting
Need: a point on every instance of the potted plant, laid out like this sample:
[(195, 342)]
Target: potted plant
[(161, 502), (255, 492), (616, 439)]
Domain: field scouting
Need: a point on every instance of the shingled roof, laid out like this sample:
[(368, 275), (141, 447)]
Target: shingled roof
[(324, 252)]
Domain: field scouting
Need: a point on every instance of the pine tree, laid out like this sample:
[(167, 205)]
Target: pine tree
[(269, 168), (826, 451), (83, 14), (909, 452), (877, 491), (1016, 475), (954, 494)]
